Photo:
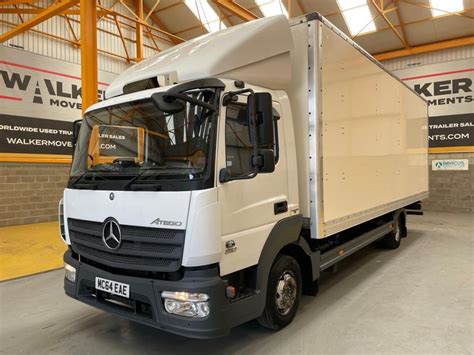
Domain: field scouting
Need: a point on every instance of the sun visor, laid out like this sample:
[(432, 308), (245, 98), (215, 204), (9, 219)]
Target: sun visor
[(253, 52)]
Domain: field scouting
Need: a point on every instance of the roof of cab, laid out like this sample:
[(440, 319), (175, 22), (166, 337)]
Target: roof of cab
[(252, 52)]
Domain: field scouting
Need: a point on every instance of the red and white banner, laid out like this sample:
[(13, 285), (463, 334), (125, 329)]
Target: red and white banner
[(40, 97), (448, 88)]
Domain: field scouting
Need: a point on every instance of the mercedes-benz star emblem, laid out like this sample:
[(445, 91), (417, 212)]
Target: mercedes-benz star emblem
[(111, 234)]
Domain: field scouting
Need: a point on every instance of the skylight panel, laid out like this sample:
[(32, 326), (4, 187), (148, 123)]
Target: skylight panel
[(445, 7), (271, 7), (206, 14), (357, 16)]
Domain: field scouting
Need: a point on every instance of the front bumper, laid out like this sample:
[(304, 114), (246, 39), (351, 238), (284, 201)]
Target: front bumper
[(145, 304)]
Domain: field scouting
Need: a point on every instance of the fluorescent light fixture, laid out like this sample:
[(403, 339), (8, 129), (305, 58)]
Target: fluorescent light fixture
[(357, 16), (445, 7), (271, 7), (206, 14)]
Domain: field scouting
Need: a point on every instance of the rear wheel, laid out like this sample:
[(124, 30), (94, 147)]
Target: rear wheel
[(283, 293), (393, 239)]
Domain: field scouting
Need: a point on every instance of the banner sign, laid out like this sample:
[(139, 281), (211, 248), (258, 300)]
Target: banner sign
[(450, 164), (448, 88), (40, 97)]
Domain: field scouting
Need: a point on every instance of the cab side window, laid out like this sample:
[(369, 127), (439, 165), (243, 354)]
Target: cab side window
[(239, 149)]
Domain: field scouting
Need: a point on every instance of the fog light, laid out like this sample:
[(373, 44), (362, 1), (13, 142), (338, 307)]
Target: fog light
[(193, 305), (70, 272)]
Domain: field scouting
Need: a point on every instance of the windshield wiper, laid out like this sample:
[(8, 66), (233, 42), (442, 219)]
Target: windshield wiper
[(90, 183), (142, 173)]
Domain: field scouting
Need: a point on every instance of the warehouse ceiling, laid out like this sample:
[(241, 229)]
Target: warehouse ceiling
[(385, 28), (398, 23)]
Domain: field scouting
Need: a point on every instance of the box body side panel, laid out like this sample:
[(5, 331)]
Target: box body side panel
[(374, 138)]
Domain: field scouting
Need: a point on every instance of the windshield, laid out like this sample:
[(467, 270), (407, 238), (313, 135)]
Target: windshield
[(134, 145)]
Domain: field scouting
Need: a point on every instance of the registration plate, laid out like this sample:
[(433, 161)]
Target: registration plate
[(113, 287)]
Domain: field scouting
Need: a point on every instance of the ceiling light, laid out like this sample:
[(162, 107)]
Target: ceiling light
[(271, 7), (357, 16), (444, 7), (206, 14)]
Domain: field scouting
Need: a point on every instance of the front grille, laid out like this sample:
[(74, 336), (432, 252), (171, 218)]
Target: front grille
[(142, 248)]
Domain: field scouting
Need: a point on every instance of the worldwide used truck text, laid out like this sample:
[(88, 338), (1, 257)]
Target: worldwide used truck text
[(220, 177)]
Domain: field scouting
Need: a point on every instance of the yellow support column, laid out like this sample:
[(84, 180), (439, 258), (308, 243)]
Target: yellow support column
[(139, 30), (88, 20)]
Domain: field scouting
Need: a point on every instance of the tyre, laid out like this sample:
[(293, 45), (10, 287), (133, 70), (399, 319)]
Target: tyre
[(283, 293), (393, 239)]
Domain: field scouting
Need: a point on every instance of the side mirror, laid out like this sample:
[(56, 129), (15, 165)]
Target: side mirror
[(264, 116), (224, 175), (264, 161), (76, 127), (167, 103)]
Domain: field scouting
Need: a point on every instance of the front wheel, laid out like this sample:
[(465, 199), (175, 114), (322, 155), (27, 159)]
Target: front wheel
[(283, 293)]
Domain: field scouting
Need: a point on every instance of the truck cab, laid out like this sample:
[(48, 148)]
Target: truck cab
[(177, 182)]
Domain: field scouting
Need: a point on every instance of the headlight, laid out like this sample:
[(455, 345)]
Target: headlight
[(193, 305), (70, 272)]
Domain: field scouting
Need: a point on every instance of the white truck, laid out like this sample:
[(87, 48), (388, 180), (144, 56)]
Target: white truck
[(220, 177)]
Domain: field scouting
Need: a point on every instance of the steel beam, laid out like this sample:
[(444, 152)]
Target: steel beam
[(38, 10), (238, 10), (175, 39), (49, 12), (458, 13), (122, 38), (432, 47), (135, 19), (400, 21), (381, 12), (139, 30), (149, 12), (301, 7), (89, 53), (15, 2)]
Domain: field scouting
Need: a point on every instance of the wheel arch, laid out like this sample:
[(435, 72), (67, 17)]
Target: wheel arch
[(285, 238)]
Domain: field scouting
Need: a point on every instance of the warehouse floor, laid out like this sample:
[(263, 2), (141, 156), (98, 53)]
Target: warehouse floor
[(418, 298)]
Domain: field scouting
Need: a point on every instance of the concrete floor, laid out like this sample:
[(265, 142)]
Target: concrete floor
[(417, 299)]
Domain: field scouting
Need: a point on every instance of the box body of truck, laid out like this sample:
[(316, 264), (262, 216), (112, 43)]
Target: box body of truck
[(360, 132), (179, 215)]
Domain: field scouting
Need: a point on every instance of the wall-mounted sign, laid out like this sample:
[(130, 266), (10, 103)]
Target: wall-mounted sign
[(450, 164), (448, 88), (40, 97)]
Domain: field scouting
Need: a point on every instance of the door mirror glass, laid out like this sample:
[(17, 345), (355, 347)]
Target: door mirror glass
[(264, 117)]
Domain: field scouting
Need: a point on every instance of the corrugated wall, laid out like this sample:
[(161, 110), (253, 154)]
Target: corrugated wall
[(55, 42), (446, 55)]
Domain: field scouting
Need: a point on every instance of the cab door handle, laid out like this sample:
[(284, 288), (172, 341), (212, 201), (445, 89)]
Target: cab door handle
[(280, 207)]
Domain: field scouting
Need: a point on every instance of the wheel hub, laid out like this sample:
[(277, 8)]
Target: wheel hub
[(285, 295), (398, 233)]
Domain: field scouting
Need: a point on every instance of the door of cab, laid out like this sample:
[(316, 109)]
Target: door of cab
[(249, 207)]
